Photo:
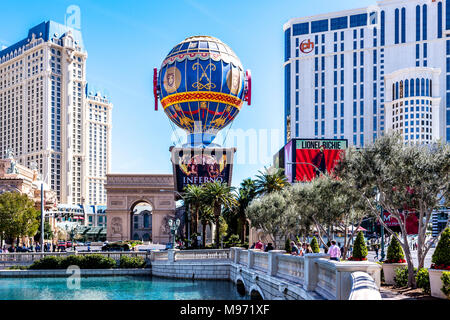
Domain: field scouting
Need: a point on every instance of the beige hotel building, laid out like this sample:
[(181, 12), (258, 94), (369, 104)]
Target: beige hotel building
[(47, 116)]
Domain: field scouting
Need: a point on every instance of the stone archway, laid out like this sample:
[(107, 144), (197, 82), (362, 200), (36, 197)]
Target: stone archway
[(124, 191)]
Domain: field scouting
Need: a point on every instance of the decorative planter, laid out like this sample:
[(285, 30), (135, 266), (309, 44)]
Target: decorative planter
[(436, 283), (389, 271)]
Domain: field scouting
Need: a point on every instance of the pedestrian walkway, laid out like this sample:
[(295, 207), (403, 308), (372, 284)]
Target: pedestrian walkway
[(387, 294)]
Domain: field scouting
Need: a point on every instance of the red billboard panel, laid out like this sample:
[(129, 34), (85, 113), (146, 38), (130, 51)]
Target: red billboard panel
[(313, 157), (411, 224)]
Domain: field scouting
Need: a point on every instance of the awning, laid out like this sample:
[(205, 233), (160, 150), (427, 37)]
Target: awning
[(96, 231)]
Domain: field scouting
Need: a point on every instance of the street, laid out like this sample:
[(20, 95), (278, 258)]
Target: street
[(427, 264)]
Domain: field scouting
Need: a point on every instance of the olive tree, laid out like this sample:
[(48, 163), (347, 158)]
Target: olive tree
[(400, 177), (328, 202), (275, 214)]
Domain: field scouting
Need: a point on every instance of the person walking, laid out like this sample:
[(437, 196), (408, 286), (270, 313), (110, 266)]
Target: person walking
[(269, 247), (294, 249), (334, 251), (376, 251)]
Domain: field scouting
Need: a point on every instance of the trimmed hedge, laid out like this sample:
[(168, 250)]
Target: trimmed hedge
[(47, 263), (92, 261), (314, 245), (423, 280), (359, 248), (97, 261), (395, 252), (132, 263), (441, 256), (446, 283), (401, 277)]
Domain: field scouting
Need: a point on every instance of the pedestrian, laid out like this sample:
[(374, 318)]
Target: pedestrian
[(294, 249), (269, 247), (300, 249), (376, 252), (259, 245), (309, 249), (342, 249), (253, 246), (334, 251)]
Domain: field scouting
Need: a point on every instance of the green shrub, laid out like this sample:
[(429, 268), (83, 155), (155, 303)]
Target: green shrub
[(17, 268), (287, 246), (132, 263), (401, 277), (446, 283), (47, 263), (72, 260), (98, 261), (314, 245), (441, 256), (359, 248), (395, 252), (233, 241), (423, 280)]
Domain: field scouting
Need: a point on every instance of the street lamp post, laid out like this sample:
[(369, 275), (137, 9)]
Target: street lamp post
[(378, 196), (174, 225)]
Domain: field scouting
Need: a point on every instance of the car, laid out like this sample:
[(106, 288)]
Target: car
[(88, 243)]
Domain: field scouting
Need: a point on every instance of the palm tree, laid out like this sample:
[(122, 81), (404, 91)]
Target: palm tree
[(219, 194), (194, 198), (270, 181), (247, 192)]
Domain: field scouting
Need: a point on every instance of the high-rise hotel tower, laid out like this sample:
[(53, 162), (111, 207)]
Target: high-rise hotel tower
[(360, 73), (46, 116)]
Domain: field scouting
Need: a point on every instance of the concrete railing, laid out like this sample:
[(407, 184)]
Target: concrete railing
[(315, 272), (214, 254), (29, 258)]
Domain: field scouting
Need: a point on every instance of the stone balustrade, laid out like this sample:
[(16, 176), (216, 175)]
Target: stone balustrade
[(29, 258), (314, 273), (273, 274)]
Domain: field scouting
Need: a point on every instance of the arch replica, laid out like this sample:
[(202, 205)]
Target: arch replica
[(126, 191)]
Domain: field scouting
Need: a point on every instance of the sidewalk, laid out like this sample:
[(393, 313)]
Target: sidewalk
[(391, 293)]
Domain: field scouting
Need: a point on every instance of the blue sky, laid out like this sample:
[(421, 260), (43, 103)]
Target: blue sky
[(125, 40)]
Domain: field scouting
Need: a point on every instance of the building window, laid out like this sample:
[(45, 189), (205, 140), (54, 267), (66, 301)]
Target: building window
[(425, 23), (319, 26), (418, 23), (358, 20), (397, 27), (439, 24), (300, 29)]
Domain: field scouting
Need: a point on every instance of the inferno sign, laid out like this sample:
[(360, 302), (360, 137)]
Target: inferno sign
[(199, 166)]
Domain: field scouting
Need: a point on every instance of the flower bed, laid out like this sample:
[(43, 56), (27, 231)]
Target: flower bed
[(357, 259)]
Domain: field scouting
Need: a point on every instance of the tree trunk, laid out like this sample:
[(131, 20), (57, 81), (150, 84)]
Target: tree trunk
[(217, 209), (242, 227), (217, 232), (405, 246), (204, 234)]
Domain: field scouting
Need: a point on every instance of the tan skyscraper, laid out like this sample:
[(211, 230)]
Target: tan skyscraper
[(46, 116)]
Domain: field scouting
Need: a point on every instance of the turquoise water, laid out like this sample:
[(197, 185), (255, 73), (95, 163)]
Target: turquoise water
[(117, 288)]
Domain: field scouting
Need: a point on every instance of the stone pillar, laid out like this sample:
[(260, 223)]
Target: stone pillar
[(236, 253), (311, 270), (251, 258), (273, 261), (171, 255)]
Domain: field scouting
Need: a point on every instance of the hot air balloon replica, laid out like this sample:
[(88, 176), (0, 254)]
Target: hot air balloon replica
[(202, 86)]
